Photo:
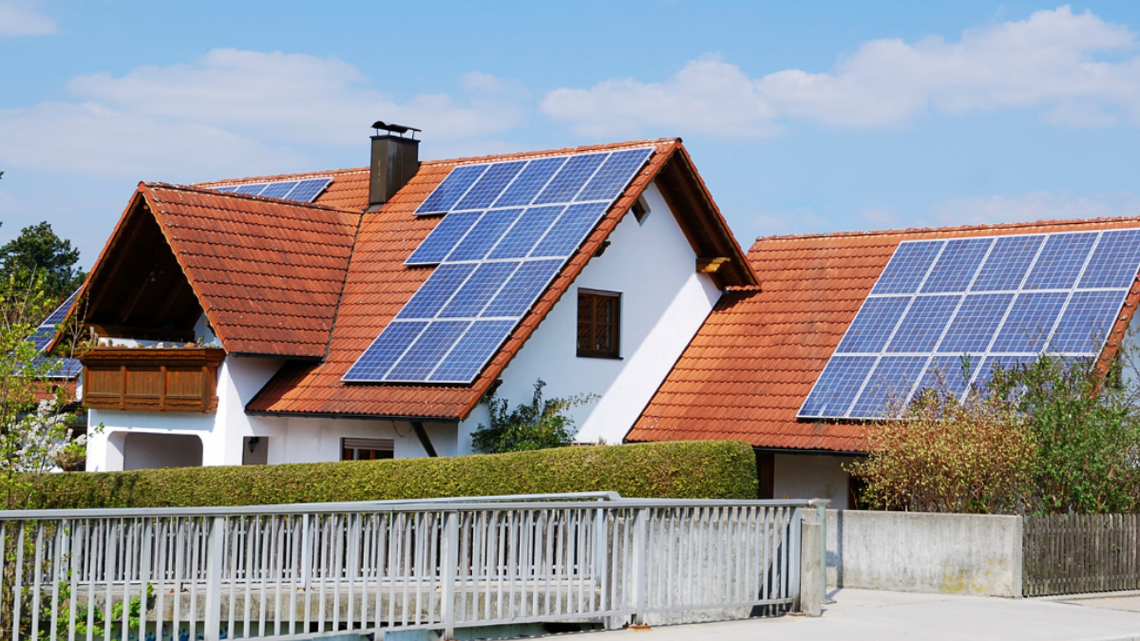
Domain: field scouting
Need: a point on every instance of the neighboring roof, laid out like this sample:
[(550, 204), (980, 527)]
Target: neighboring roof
[(378, 285), (348, 189), (267, 273), (751, 365)]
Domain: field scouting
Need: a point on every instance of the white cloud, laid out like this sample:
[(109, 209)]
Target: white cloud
[(1036, 206), (1050, 60), (20, 18), (232, 110)]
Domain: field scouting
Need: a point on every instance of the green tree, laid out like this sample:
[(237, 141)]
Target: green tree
[(541, 424), (1087, 431), (37, 250)]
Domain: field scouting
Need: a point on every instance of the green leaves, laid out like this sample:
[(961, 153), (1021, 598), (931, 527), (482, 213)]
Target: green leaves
[(540, 425), (1056, 436), (682, 469), (38, 252)]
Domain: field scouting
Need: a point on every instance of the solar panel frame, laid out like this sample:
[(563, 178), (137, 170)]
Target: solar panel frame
[(495, 261), (1029, 294)]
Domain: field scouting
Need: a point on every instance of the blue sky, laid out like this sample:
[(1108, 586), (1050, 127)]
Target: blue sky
[(802, 117)]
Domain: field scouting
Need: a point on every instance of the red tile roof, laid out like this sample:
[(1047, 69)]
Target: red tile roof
[(268, 273), (379, 284), (750, 367)]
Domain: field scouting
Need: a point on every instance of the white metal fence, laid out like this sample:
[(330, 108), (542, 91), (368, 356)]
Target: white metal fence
[(274, 571)]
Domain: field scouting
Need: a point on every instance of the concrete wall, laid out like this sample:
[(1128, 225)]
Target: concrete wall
[(810, 476), (664, 302), (913, 552)]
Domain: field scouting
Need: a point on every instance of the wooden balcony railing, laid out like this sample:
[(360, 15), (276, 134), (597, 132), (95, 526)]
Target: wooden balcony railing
[(151, 379)]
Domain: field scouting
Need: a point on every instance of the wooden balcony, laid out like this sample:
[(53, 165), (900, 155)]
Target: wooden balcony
[(151, 379)]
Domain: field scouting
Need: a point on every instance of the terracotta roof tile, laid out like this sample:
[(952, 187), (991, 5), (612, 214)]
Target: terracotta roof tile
[(268, 273), (378, 285), (751, 365)]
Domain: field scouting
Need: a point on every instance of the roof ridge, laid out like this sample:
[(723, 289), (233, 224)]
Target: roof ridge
[(207, 191), (959, 228), (542, 153)]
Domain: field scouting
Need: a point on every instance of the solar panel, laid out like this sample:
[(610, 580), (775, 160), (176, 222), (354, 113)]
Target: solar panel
[(304, 191), (988, 300), (46, 331), (509, 229)]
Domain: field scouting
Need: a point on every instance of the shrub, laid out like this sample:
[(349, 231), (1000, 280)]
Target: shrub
[(539, 425), (942, 455), (695, 469)]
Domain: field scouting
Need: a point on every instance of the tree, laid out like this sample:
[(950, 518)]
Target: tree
[(37, 250), (541, 424), (33, 430), (1087, 430)]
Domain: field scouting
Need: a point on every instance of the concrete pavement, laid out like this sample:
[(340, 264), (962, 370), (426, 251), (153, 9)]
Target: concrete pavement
[(873, 615)]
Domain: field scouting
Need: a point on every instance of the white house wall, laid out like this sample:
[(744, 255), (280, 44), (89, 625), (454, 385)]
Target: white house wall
[(290, 440), (664, 302)]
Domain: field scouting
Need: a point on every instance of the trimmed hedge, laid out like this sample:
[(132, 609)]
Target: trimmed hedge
[(690, 469)]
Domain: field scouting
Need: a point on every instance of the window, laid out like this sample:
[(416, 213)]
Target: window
[(599, 324), (367, 449)]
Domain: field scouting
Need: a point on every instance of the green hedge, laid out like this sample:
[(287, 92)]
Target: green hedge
[(692, 469)]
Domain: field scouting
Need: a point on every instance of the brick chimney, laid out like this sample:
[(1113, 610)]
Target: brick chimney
[(395, 160)]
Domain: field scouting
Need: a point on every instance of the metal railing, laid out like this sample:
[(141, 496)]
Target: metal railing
[(275, 571)]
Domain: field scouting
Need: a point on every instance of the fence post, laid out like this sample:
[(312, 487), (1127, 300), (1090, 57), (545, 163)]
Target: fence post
[(640, 534), (213, 614), (794, 569), (449, 571), (810, 593), (1018, 557), (821, 506)]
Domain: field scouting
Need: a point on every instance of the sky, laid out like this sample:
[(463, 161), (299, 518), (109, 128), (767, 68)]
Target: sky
[(802, 117)]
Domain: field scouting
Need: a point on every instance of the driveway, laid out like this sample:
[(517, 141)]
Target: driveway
[(874, 615)]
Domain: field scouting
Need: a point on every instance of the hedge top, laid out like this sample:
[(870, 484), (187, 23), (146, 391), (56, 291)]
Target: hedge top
[(690, 469)]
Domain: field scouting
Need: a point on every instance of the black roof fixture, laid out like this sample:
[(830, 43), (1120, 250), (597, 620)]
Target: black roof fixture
[(393, 128)]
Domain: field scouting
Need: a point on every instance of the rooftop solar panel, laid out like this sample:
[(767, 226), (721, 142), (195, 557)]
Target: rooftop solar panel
[(957, 265), (528, 183), (304, 191), (1002, 299), (444, 198), (490, 185), (46, 331), (509, 228)]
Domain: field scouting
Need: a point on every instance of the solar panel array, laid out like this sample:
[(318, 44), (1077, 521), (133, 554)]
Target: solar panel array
[(509, 229), (1000, 299), (305, 191), (50, 366)]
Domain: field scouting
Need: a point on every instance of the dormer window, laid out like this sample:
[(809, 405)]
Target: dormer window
[(599, 324)]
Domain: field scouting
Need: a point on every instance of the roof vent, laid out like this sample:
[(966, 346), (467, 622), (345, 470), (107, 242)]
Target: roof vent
[(395, 160)]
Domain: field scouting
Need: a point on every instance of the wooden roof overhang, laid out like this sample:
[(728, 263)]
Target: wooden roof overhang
[(137, 288)]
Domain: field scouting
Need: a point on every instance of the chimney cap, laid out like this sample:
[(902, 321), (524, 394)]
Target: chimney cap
[(393, 128)]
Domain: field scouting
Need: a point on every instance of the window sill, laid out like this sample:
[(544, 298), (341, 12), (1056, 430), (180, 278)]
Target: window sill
[(607, 357)]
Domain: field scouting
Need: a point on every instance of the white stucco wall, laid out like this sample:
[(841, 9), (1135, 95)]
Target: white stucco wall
[(290, 440), (664, 302), (810, 476)]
